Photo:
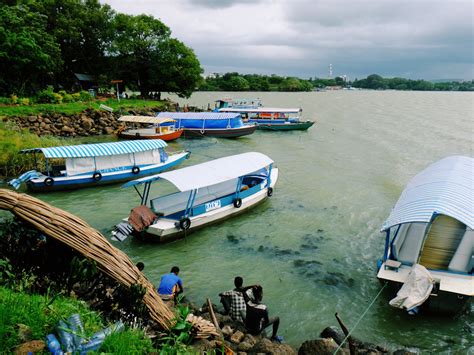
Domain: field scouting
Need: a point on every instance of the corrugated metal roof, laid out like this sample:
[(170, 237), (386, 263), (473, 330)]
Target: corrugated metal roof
[(146, 119), (260, 109), (198, 115), (84, 77), (99, 149), (445, 187), (211, 172)]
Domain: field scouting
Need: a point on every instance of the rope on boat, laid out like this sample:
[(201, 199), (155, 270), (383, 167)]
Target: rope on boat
[(360, 318), (73, 231)]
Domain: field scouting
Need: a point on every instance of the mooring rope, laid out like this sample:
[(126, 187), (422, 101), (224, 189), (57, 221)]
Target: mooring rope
[(360, 318)]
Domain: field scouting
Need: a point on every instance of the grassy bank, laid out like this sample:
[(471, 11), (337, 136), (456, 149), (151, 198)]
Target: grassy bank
[(25, 317), (77, 107)]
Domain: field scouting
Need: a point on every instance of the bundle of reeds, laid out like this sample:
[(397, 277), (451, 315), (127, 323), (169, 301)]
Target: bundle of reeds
[(76, 233)]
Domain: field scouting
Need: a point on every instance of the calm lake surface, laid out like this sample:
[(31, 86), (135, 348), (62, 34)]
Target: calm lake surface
[(313, 246)]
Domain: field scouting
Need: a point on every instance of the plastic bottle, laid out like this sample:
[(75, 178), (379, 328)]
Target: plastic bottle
[(93, 345), (65, 337), (53, 345), (77, 329), (117, 327)]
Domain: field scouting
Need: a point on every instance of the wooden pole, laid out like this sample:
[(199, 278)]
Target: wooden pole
[(213, 316), (352, 348)]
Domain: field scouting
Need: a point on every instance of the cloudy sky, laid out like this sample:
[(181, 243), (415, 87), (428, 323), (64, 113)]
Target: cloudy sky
[(416, 39)]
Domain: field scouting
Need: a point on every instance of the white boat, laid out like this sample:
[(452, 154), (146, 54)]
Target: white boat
[(85, 165), (158, 128), (432, 225), (208, 192)]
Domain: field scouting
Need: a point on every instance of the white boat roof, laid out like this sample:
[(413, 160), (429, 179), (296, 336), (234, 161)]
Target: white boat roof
[(146, 119), (261, 109), (198, 115), (445, 187), (211, 172)]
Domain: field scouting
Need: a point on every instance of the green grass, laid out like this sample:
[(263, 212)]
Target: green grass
[(76, 107), (42, 314)]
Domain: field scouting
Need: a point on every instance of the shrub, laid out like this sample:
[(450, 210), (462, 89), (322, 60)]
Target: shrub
[(68, 98), (5, 100), (14, 99), (57, 98), (24, 101), (85, 96), (46, 96), (76, 97)]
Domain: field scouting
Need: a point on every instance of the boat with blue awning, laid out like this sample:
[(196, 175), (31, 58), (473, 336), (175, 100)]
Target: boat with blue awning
[(210, 124), (431, 228), (207, 193), (76, 166)]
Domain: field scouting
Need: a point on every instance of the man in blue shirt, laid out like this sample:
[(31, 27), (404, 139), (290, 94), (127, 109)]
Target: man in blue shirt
[(170, 285)]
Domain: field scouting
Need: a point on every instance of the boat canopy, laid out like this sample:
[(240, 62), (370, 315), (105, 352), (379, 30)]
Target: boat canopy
[(262, 110), (99, 149), (146, 119), (445, 187), (198, 115), (210, 173)]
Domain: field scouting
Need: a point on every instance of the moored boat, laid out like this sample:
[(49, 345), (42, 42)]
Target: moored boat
[(73, 167), (158, 128), (208, 193), (272, 118), (238, 103), (210, 124), (429, 240)]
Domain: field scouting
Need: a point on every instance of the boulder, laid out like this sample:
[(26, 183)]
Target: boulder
[(32, 119), (66, 129), (108, 130), (266, 346), (227, 331), (333, 332), (237, 337), (320, 346)]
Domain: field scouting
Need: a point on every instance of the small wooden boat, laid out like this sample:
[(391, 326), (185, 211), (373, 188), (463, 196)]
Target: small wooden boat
[(210, 124), (158, 128), (432, 225), (270, 118), (208, 193), (73, 167)]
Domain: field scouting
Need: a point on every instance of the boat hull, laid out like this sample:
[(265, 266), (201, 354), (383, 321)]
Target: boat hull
[(166, 136), (293, 126), (166, 230), (87, 180), (447, 300), (219, 132)]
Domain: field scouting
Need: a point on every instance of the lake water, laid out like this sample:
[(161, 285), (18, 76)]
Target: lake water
[(313, 246)]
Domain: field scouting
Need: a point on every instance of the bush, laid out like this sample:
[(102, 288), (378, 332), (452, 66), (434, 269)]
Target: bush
[(46, 96), (76, 97), (5, 100), (24, 101), (68, 98), (14, 99), (85, 96)]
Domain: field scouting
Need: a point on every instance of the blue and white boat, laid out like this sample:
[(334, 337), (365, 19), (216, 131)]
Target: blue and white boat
[(208, 193), (432, 225), (210, 124), (238, 103), (72, 167)]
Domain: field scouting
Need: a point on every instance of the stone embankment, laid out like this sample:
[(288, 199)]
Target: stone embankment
[(90, 122)]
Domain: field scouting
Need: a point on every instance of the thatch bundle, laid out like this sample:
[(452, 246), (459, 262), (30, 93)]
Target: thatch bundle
[(76, 233)]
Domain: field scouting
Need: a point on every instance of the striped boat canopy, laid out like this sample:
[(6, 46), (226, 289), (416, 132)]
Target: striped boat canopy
[(99, 149), (145, 119), (210, 173), (445, 187), (198, 115)]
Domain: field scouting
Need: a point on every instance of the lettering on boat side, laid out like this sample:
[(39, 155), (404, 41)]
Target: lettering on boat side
[(213, 205)]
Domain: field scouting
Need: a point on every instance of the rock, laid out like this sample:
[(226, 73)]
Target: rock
[(31, 347), (227, 331), (86, 123), (410, 351), (333, 332), (42, 125), (266, 346), (237, 337), (66, 129), (204, 346), (46, 120), (319, 346), (108, 130), (32, 119)]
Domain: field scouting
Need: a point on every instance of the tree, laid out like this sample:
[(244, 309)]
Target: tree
[(29, 55)]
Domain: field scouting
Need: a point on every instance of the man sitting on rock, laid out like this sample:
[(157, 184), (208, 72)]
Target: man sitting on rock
[(257, 319), (234, 302)]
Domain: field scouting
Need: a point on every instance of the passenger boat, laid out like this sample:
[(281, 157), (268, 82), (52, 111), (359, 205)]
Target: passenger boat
[(158, 128), (208, 193), (270, 118), (432, 225), (210, 124), (238, 103), (72, 167)]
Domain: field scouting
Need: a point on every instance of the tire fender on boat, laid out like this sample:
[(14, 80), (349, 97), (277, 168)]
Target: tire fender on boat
[(135, 170), (49, 181), (137, 134), (184, 223), (270, 191), (97, 176), (237, 202)]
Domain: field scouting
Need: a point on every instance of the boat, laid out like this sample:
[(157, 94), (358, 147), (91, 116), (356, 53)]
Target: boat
[(430, 238), (238, 103), (77, 166), (210, 124), (208, 193), (272, 118), (158, 128)]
